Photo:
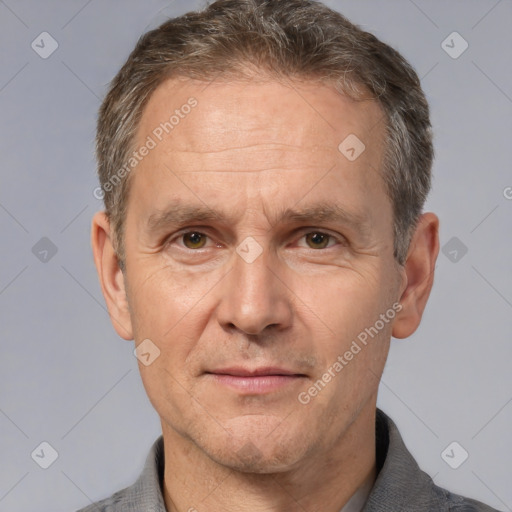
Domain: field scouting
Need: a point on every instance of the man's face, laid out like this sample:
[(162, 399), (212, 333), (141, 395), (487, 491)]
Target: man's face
[(275, 254)]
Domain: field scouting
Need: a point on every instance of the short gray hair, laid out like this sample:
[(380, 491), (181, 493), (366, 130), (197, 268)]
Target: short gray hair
[(296, 39)]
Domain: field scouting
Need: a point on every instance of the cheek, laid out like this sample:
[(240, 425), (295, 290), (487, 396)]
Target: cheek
[(345, 301), (168, 307), (348, 309), (161, 295), (354, 352)]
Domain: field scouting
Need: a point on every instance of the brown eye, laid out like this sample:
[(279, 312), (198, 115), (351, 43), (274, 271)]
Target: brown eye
[(194, 240), (317, 240)]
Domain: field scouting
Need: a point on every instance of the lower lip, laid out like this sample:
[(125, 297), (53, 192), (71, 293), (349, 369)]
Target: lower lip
[(259, 384)]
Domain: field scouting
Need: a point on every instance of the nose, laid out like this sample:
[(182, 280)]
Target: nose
[(254, 296)]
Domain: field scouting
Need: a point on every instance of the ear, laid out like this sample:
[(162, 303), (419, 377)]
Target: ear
[(419, 272), (110, 275)]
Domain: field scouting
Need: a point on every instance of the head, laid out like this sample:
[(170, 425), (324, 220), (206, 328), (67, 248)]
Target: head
[(264, 168)]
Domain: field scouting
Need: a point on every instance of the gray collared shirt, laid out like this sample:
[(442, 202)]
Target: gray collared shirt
[(400, 485)]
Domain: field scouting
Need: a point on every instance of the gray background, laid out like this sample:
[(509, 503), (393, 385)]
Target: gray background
[(67, 379)]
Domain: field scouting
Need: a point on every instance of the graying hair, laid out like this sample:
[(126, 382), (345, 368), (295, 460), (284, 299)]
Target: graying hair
[(292, 39)]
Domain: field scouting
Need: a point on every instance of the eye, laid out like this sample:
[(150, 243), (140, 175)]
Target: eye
[(194, 240), (315, 240), (319, 240)]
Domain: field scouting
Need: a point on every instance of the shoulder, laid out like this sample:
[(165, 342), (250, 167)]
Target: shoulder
[(456, 503), (402, 486), (145, 494), (116, 502)]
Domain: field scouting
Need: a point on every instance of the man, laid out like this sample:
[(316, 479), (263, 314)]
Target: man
[(265, 165)]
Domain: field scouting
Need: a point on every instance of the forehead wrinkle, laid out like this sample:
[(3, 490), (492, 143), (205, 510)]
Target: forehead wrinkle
[(271, 153), (264, 169), (272, 157), (270, 145)]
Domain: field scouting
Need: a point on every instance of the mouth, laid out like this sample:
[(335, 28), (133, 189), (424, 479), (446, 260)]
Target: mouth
[(255, 381)]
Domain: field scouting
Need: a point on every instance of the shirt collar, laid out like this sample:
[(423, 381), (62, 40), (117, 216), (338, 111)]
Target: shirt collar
[(401, 486)]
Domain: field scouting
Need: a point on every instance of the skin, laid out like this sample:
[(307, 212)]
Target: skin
[(250, 150)]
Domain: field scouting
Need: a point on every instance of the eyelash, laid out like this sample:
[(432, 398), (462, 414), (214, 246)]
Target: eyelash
[(179, 236)]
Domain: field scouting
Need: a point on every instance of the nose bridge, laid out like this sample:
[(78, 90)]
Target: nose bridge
[(252, 271), (253, 298)]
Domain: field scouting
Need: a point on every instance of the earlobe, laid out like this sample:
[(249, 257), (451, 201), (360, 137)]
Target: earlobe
[(419, 269), (110, 276)]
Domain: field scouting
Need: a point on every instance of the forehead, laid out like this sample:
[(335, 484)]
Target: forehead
[(221, 136), (305, 116)]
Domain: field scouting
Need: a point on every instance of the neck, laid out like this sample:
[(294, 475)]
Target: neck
[(193, 482)]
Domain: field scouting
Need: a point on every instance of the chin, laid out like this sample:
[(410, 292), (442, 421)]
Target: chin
[(258, 444)]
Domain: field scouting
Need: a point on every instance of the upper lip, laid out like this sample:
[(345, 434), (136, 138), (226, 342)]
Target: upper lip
[(239, 371)]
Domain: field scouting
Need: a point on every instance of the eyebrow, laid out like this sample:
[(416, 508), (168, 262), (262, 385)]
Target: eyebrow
[(177, 214)]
